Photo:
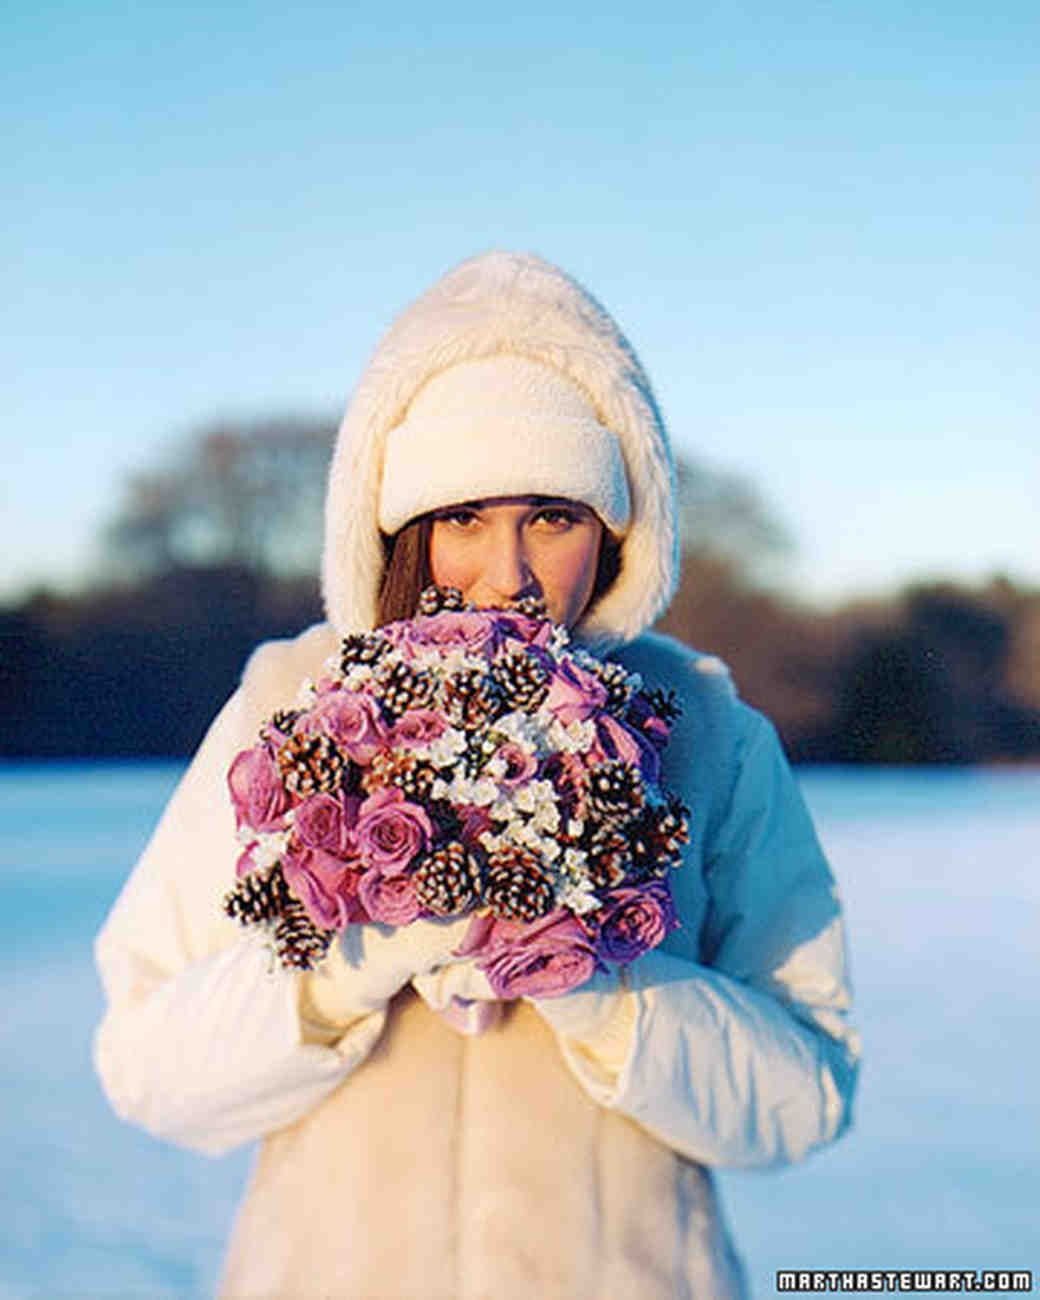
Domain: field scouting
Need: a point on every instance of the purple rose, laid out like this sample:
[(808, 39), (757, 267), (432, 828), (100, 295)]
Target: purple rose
[(389, 899), (616, 741), (352, 720), (326, 821), (391, 831), (245, 863), (520, 765), (322, 884), (634, 919), (256, 789), (541, 960), (574, 694), (416, 728), (471, 630)]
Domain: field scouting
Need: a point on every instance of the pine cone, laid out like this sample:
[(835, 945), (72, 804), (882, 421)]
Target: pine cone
[(298, 942), (402, 769), (448, 881), (285, 719), (522, 679), (402, 687), (665, 704), (618, 686), (470, 699), (311, 765), (530, 606), (515, 887), (608, 858), (361, 648), (435, 599), (257, 897), (615, 792), (657, 839)]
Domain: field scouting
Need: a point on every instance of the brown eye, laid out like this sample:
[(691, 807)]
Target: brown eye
[(558, 517), (460, 517)]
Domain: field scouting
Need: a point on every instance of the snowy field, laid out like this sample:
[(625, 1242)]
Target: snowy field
[(940, 872)]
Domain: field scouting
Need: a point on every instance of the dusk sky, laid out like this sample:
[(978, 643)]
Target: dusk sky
[(817, 222)]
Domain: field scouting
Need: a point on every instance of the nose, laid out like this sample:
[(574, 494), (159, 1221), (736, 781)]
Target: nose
[(508, 574)]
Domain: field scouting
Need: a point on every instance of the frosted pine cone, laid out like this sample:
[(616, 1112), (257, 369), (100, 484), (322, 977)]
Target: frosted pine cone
[(515, 887), (259, 896), (298, 942), (448, 881), (361, 648), (615, 792), (402, 687), (401, 769), (608, 858), (522, 679), (285, 719), (470, 699), (311, 765), (665, 704), (530, 606), (435, 599), (657, 839), (618, 686)]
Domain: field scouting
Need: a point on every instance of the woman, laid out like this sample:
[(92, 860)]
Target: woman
[(503, 440)]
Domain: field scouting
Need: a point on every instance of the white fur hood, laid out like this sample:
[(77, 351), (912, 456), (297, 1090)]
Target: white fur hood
[(494, 304)]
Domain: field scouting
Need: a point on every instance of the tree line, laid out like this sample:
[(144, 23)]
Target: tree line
[(216, 550)]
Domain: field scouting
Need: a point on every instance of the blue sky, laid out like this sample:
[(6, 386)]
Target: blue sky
[(817, 222)]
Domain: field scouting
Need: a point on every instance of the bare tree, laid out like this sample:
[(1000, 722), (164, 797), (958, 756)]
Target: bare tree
[(250, 494)]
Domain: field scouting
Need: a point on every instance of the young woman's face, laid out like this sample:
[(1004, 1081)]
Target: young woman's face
[(496, 551)]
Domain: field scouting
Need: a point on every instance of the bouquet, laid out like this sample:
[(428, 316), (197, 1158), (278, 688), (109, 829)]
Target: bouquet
[(466, 761)]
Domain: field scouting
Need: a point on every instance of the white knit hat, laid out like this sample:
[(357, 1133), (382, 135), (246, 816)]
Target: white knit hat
[(490, 307), (501, 426)]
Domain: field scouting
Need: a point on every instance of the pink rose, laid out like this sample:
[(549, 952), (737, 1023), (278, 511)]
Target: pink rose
[(257, 792), (245, 863), (574, 694), (389, 899), (352, 720), (634, 919), (323, 884), (536, 632), (616, 741), (391, 831), (539, 960), (472, 630), (520, 765), (326, 821), (416, 728)]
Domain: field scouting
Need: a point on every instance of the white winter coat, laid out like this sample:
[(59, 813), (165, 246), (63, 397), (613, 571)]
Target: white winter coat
[(401, 1159)]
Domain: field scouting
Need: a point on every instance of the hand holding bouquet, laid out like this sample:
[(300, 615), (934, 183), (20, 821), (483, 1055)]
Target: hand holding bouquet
[(464, 762)]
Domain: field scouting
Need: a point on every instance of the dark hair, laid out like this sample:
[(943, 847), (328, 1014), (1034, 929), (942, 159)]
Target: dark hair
[(407, 569)]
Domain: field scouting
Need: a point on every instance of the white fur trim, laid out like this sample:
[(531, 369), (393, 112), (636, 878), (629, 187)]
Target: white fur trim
[(502, 426), (517, 304)]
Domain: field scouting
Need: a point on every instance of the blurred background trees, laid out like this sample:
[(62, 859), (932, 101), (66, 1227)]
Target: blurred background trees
[(218, 548)]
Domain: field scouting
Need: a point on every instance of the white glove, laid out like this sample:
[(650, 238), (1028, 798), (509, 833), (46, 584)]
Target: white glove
[(461, 994), (461, 980), (585, 1011), (370, 963), (580, 1014)]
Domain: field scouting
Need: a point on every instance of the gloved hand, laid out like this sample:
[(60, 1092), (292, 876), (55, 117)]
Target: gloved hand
[(580, 1014), (370, 963), (461, 994), (461, 980), (585, 1011)]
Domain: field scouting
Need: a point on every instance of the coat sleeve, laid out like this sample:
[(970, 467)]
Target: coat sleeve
[(739, 1053), (202, 1042)]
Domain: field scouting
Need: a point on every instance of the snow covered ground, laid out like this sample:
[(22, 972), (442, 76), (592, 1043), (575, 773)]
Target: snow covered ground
[(940, 872)]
